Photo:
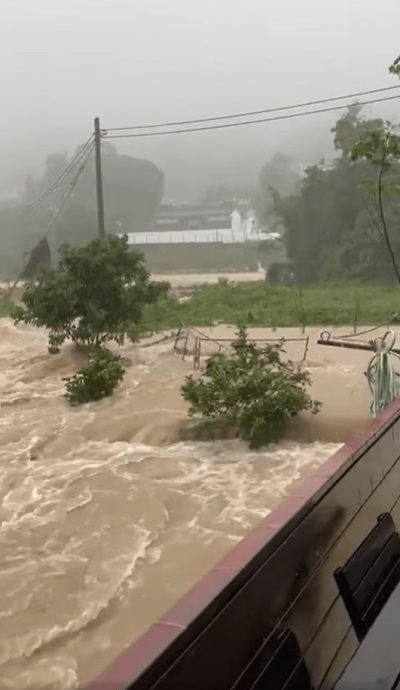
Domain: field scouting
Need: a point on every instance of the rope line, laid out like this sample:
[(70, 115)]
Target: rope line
[(383, 380)]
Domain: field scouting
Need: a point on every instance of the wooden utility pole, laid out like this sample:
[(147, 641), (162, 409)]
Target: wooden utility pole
[(99, 179)]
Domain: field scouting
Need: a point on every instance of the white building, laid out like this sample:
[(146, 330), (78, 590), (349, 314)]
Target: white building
[(208, 224)]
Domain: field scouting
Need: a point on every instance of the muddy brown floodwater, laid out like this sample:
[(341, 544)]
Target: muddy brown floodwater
[(106, 518)]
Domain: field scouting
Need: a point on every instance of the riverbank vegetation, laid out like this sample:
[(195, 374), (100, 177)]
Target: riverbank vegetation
[(260, 304), (341, 221)]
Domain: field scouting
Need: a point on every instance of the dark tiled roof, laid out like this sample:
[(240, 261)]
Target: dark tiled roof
[(187, 211)]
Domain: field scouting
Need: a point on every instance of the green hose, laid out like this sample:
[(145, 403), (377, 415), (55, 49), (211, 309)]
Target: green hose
[(383, 380)]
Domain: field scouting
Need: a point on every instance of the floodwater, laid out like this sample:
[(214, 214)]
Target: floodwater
[(106, 518)]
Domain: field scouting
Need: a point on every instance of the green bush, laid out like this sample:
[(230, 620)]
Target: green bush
[(250, 391), (96, 380)]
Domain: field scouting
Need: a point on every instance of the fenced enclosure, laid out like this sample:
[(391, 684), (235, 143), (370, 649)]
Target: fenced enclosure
[(191, 342)]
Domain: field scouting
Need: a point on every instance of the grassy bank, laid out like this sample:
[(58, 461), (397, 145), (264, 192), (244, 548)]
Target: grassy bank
[(5, 307), (259, 304)]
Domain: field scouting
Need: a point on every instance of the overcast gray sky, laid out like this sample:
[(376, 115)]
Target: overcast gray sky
[(64, 61)]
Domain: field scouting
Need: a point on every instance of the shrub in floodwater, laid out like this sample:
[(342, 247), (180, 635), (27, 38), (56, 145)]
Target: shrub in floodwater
[(97, 379), (249, 390)]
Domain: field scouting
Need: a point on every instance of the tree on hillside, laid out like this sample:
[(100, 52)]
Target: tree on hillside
[(329, 225), (76, 226), (343, 221), (20, 232), (381, 148), (133, 189), (395, 67), (278, 173), (351, 127), (318, 219), (276, 177)]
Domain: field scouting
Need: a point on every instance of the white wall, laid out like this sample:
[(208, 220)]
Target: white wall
[(225, 236), (236, 221), (242, 230)]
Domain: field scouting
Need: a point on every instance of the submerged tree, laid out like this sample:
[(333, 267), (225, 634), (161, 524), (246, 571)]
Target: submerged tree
[(94, 296)]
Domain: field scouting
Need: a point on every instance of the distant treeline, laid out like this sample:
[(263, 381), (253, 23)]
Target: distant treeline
[(133, 190), (331, 221)]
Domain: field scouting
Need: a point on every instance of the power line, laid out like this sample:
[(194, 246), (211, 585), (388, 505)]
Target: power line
[(75, 160), (246, 122), (66, 196), (68, 192), (254, 112)]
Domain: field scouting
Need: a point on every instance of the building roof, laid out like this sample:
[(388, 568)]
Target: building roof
[(190, 210)]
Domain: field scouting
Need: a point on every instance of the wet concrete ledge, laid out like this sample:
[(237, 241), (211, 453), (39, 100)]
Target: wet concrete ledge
[(279, 576)]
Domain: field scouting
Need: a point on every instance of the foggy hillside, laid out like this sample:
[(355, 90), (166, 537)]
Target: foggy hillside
[(137, 62)]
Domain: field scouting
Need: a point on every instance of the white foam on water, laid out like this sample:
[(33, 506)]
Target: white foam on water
[(105, 519)]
